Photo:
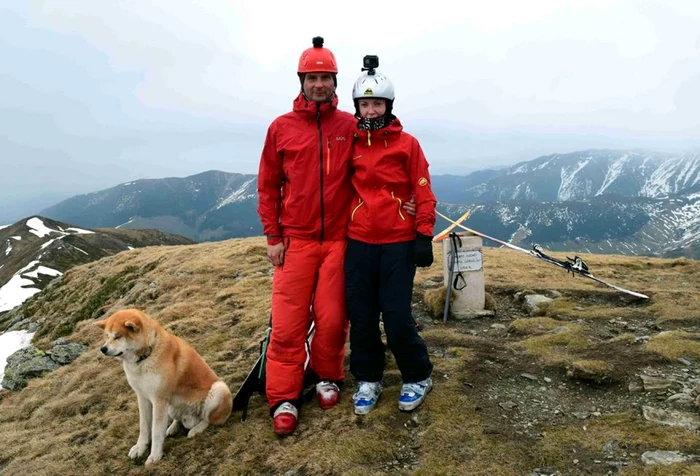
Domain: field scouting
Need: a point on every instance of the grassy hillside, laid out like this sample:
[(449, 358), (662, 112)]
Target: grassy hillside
[(512, 393), (65, 249)]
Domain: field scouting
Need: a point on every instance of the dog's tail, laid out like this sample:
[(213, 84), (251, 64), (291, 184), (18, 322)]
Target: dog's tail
[(219, 403)]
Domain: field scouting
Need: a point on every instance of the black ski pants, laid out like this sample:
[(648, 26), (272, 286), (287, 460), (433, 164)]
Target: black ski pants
[(379, 280)]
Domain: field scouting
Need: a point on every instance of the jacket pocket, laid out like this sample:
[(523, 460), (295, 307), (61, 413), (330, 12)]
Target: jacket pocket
[(352, 215), (400, 205), (288, 197)]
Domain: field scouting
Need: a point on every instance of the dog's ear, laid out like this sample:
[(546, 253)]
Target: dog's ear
[(132, 326), (101, 324)]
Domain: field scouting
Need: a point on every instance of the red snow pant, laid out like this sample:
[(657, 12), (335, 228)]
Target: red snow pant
[(309, 285)]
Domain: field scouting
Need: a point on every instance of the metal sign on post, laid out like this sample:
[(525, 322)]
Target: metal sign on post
[(468, 260)]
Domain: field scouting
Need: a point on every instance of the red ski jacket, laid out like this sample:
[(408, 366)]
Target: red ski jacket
[(304, 187), (389, 167)]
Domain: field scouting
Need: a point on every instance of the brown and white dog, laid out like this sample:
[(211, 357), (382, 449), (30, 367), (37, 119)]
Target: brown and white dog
[(169, 377)]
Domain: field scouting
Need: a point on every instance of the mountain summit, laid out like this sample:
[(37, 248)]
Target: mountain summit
[(34, 251), (212, 205)]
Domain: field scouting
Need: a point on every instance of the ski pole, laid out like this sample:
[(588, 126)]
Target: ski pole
[(449, 279)]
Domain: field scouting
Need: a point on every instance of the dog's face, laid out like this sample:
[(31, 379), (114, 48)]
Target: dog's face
[(126, 334)]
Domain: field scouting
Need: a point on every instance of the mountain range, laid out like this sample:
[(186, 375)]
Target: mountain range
[(209, 206), (602, 201), (587, 174), (36, 250)]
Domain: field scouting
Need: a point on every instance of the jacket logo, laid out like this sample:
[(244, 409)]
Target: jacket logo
[(422, 181), (340, 138)]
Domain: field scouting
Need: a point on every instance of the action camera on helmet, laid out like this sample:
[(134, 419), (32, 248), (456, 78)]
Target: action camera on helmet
[(370, 63)]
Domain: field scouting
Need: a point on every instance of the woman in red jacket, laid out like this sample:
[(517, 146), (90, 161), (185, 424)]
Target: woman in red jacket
[(384, 247)]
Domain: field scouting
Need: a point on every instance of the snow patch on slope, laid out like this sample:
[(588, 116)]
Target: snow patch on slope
[(238, 196), (37, 227), (568, 186), (673, 176), (614, 171)]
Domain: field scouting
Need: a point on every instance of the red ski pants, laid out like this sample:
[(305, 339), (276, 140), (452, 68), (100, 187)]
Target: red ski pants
[(309, 285)]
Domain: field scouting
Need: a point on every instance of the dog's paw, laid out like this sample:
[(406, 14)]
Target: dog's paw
[(173, 428), (153, 458), (198, 428), (137, 451)]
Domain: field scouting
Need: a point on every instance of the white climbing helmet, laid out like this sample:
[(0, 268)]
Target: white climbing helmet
[(371, 84)]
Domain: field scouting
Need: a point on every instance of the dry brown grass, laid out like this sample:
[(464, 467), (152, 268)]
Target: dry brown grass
[(558, 349), (540, 325), (679, 306), (82, 419), (489, 302), (571, 309), (664, 279), (632, 435), (444, 337), (675, 344), (626, 338), (597, 371), (435, 301)]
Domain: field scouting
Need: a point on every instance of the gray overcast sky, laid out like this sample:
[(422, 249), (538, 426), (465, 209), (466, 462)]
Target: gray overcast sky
[(95, 93)]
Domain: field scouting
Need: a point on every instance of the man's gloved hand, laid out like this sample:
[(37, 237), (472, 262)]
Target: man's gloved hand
[(423, 250)]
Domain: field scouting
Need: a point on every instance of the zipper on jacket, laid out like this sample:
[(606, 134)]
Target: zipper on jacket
[(400, 203), (320, 152), (328, 157)]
